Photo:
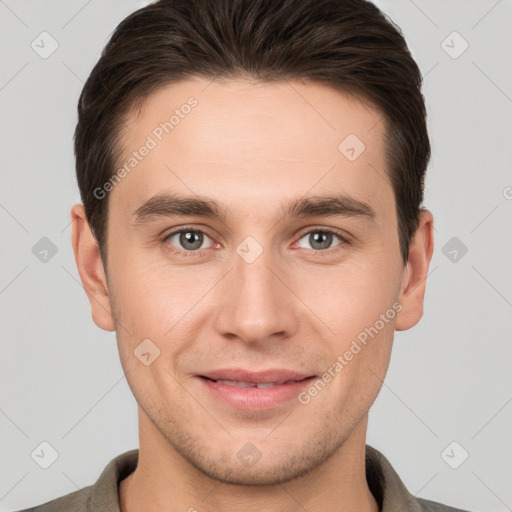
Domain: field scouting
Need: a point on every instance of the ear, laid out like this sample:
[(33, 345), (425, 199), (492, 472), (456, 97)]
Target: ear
[(414, 278), (90, 268)]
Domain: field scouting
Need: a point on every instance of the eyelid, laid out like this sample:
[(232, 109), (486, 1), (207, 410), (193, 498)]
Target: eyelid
[(315, 229)]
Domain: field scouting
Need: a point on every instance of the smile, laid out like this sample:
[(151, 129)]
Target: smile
[(256, 393)]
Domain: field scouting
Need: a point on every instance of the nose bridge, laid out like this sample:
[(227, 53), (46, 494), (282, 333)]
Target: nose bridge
[(255, 304)]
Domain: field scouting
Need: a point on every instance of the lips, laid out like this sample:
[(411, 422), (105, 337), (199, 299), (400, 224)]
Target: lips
[(254, 391), (247, 379)]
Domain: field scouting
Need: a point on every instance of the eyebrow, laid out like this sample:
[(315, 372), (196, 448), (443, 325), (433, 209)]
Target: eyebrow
[(172, 205)]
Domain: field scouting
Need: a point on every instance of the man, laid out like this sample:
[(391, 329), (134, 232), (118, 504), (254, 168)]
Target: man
[(252, 177)]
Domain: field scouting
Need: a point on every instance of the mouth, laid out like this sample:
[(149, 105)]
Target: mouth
[(259, 385), (254, 390)]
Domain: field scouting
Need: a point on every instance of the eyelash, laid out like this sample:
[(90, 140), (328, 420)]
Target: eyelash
[(195, 253)]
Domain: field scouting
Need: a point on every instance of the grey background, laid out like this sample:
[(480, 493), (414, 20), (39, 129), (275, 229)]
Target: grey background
[(449, 378)]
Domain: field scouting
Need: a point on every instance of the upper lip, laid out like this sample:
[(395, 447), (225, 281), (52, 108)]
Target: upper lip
[(264, 376)]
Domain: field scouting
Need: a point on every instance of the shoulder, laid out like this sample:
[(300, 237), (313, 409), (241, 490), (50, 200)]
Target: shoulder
[(103, 495), (432, 506), (389, 490), (76, 501)]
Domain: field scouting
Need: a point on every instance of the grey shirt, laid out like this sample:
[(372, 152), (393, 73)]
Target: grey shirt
[(103, 496)]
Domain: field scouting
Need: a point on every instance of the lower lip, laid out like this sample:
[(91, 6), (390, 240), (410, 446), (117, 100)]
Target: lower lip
[(251, 399)]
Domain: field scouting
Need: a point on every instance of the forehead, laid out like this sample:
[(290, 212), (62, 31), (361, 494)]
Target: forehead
[(241, 140)]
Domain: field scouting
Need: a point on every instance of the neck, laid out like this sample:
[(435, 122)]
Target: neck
[(165, 481)]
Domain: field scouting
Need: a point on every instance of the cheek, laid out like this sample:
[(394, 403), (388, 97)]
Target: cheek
[(351, 298), (166, 305), (358, 304), (150, 293), (147, 307)]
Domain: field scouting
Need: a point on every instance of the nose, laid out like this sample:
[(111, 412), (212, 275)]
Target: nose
[(256, 305)]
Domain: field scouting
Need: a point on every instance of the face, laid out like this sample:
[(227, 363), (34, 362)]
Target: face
[(255, 242)]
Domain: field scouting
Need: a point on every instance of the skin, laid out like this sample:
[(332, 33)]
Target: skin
[(253, 147)]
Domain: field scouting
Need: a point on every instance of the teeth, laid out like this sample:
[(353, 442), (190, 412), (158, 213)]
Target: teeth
[(250, 384), (238, 384)]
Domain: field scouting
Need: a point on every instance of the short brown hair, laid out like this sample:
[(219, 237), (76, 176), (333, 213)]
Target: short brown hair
[(349, 45)]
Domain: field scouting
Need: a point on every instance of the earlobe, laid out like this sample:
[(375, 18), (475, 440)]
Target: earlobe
[(90, 268), (414, 278)]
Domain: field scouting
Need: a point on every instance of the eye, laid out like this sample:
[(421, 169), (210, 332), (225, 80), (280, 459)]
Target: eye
[(189, 240), (320, 239)]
